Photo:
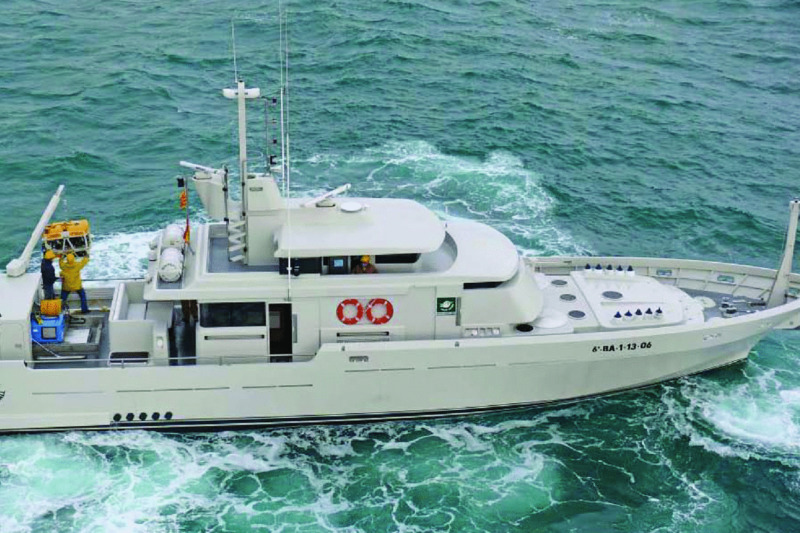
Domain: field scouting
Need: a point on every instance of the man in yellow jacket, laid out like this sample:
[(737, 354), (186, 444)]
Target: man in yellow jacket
[(71, 278)]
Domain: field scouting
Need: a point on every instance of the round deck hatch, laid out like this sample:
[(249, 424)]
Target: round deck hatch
[(550, 319), (351, 207), (612, 295), (559, 282), (575, 314), (568, 297)]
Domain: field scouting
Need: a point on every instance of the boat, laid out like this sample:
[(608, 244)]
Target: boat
[(257, 318)]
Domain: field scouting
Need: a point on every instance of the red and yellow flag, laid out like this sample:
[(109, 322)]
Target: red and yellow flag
[(184, 200)]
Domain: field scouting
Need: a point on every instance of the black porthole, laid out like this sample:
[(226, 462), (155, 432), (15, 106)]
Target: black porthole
[(524, 328), (612, 295), (156, 416), (568, 297), (117, 417), (129, 417), (168, 415), (142, 416), (559, 282), (577, 314)]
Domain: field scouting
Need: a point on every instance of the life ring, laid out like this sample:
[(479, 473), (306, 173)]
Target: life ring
[(383, 318), (349, 318)]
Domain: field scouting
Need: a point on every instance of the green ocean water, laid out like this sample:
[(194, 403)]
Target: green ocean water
[(590, 127)]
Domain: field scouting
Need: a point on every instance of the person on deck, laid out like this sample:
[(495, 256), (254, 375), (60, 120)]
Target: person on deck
[(71, 278), (48, 275), (365, 266)]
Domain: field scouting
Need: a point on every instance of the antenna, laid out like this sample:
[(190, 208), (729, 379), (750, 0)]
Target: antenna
[(233, 44), (288, 147), (285, 171)]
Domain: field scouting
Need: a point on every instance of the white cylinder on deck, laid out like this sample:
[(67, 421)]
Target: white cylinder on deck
[(170, 267), (172, 237)]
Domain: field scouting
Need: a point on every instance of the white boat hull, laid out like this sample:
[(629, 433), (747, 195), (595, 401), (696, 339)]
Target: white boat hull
[(371, 381)]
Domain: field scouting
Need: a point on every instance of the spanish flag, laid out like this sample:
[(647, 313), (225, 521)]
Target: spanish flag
[(184, 201)]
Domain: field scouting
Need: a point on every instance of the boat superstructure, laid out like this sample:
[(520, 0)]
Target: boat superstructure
[(258, 318)]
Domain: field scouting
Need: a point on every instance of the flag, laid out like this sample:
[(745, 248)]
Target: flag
[(187, 232), (184, 201)]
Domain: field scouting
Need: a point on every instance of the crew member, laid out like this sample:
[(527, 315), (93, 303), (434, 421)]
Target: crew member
[(71, 278), (365, 266), (48, 275)]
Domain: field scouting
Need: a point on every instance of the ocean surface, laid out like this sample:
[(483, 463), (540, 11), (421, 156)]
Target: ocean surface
[(579, 126)]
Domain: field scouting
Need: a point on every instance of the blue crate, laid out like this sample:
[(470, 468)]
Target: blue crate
[(50, 331)]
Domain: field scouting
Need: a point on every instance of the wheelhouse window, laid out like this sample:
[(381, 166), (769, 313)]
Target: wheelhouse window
[(403, 259), (233, 315)]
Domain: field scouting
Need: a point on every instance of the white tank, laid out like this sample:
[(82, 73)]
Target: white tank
[(172, 237), (170, 268)]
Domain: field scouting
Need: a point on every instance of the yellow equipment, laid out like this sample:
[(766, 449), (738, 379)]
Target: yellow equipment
[(72, 236), (50, 307)]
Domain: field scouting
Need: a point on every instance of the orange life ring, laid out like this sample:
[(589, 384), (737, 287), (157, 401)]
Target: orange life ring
[(352, 319), (385, 317)]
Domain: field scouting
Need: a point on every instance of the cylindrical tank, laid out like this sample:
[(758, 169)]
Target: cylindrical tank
[(170, 268), (172, 237)]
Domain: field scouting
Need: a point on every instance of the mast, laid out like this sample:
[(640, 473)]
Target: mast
[(241, 94), (777, 295), (285, 163)]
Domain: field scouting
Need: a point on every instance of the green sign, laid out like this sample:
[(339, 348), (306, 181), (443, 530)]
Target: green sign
[(446, 306)]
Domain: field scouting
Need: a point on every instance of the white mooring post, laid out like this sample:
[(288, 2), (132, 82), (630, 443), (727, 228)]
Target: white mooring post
[(778, 294)]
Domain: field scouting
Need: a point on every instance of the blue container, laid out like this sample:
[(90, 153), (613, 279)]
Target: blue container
[(50, 331)]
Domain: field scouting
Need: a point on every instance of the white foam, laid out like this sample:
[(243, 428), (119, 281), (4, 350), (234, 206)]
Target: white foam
[(119, 256), (757, 418), (498, 190), (790, 396)]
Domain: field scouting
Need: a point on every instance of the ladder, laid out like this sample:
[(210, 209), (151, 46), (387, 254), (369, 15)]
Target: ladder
[(235, 225)]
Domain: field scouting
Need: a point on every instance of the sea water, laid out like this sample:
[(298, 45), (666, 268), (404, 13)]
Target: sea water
[(574, 127)]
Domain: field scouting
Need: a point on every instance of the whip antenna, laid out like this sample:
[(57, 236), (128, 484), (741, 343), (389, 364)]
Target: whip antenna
[(233, 45), (285, 172), (288, 146)]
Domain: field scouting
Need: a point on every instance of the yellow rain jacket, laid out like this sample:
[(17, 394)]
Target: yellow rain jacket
[(71, 273)]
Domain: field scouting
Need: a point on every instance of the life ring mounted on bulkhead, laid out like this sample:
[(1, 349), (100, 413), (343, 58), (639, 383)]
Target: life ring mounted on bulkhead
[(384, 308), (349, 311)]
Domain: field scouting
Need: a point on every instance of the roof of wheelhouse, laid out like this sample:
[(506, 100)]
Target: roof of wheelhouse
[(355, 226)]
